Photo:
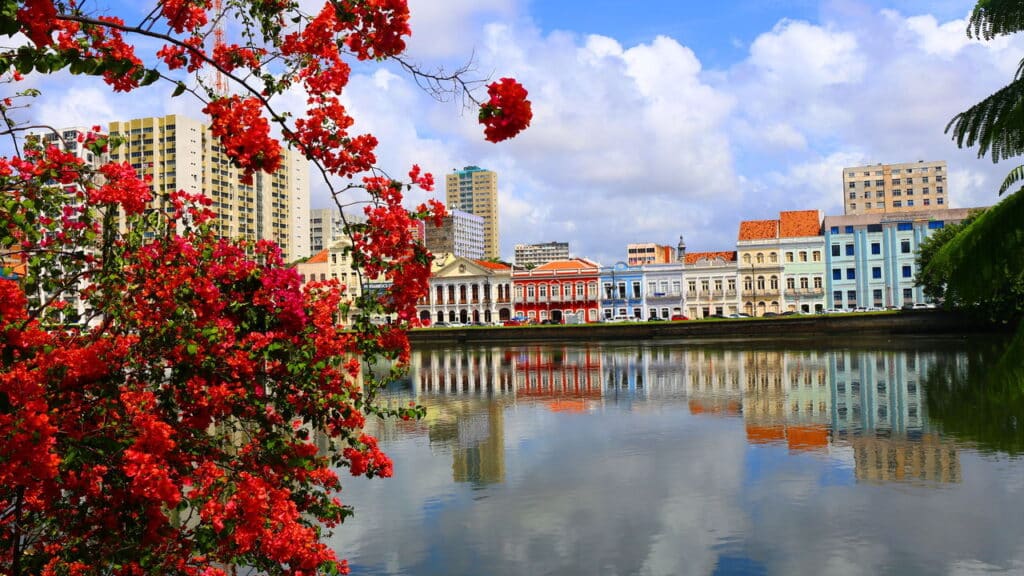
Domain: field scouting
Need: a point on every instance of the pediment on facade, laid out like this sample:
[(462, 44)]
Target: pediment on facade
[(461, 267)]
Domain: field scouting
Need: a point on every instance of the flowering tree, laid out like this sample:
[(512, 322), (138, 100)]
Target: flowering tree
[(168, 430)]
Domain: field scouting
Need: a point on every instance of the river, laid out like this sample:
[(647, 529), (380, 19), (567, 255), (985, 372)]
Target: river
[(663, 458)]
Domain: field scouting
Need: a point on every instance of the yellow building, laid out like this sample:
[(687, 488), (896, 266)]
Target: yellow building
[(895, 188), (475, 190), (179, 153)]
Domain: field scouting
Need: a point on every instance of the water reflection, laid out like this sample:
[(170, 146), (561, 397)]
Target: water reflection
[(672, 459), (870, 402)]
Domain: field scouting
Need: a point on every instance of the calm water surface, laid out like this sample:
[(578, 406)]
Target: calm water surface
[(670, 458)]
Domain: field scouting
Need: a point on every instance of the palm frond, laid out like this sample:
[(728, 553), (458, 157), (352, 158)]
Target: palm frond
[(987, 251), (1015, 175), (994, 124), (992, 18)]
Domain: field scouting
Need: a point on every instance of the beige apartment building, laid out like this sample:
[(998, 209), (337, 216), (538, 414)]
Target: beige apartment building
[(895, 188), (649, 253), (179, 153), (475, 190)]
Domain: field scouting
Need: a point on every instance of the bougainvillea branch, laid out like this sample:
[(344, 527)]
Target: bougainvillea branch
[(171, 401)]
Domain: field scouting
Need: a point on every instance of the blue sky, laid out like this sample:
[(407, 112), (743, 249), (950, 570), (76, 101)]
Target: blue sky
[(660, 118)]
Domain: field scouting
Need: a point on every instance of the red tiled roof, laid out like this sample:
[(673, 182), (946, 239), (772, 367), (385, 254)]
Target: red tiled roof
[(799, 223), (693, 257), (574, 264), (319, 258), (493, 265), (759, 229)]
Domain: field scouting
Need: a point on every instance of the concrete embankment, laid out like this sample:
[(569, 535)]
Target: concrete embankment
[(917, 322)]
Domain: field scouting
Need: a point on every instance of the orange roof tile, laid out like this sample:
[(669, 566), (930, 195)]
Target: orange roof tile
[(799, 223), (759, 229), (493, 265), (693, 257), (574, 264), (319, 258)]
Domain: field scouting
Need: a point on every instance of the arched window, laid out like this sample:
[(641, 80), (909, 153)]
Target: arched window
[(773, 257), (760, 258), (790, 283), (775, 282), (748, 283), (760, 282), (746, 258)]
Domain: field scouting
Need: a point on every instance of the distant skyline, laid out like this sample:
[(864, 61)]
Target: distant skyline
[(655, 119)]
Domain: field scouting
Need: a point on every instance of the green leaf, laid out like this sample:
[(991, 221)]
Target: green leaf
[(179, 90)]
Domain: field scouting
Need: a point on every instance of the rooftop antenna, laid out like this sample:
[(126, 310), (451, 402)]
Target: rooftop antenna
[(220, 81)]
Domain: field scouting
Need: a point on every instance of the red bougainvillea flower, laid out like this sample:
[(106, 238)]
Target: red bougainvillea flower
[(507, 113)]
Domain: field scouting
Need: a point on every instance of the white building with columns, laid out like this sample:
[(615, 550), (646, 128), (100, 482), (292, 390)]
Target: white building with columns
[(467, 291)]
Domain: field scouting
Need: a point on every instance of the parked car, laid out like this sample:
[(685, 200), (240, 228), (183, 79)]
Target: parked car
[(550, 321), (655, 319), (678, 318), (769, 315), (515, 322)]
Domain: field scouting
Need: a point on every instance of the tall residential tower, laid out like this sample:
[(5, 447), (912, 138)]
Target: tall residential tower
[(180, 154), (475, 190)]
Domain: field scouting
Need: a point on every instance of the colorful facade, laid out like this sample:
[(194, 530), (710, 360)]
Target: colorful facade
[(663, 290), (565, 291), (802, 248), (467, 291), (760, 267), (622, 292), (870, 258), (711, 284)]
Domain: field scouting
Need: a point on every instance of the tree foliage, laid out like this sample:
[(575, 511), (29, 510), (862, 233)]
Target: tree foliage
[(985, 261), (191, 416)]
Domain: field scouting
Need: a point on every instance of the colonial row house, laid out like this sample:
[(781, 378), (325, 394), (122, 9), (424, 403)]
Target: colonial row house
[(467, 291), (563, 291), (711, 279)]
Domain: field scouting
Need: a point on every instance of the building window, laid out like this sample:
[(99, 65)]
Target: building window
[(895, 181), (543, 291), (803, 256), (853, 195), (849, 249), (939, 201), (851, 298), (837, 274), (868, 206), (904, 226), (851, 274), (803, 283), (853, 206), (636, 289), (936, 224), (748, 283), (905, 246), (746, 258), (529, 292), (897, 204), (817, 282), (790, 283), (773, 257), (835, 249), (908, 295), (876, 272), (834, 230), (927, 202), (849, 229), (609, 293), (908, 272), (775, 283), (910, 203), (760, 282), (760, 258), (789, 256), (876, 248), (876, 295), (816, 256), (897, 192), (837, 299)]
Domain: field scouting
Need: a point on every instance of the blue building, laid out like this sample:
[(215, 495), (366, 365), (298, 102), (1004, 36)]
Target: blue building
[(869, 258), (622, 293)]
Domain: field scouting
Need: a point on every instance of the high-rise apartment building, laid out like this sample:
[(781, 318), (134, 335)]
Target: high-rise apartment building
[(325, 228), (180, 153), (475, 190), (895, 188), (537, 254), (460, 234)]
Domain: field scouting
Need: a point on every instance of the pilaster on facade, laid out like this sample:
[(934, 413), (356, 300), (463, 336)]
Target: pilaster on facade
[(467, 291), (711, 280), (563, 291), (870, 258)]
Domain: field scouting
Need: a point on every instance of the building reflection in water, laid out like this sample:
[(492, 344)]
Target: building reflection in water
[(826, 402)]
